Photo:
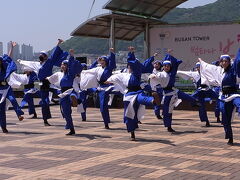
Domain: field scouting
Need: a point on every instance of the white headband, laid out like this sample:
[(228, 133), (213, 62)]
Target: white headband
[(167, 62)]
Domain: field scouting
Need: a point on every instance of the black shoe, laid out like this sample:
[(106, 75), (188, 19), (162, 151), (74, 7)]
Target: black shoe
[(133, 136), (230, 142), (84, 120), (218, 120), (55, 101), (34, 116), (207, 124), (170, 129), (106, 126), (72, 132), (139, 122), (4, 130), (46, 123), (159, 116)]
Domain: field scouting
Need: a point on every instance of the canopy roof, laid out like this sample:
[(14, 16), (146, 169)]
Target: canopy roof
[(126, 27), (149, 8)]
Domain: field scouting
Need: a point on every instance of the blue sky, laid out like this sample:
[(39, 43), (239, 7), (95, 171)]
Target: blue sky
[(41, 22)]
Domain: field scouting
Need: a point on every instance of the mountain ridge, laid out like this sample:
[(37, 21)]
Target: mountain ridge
[(221, 10)]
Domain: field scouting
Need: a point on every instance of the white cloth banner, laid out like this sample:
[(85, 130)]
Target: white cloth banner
[(30, 65), (76, 83), (88, 79), (188, 75), (16, 80), (55, 79), (211, 75), (161, 78), (120, 81)]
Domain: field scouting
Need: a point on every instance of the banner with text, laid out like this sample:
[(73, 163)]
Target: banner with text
[(189, 42)]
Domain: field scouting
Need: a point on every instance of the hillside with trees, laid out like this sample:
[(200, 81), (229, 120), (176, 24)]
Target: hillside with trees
[(221, 10)]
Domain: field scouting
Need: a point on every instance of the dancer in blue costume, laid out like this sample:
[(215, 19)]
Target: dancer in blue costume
[(134, 98), (11, 97), (82, 93), (203, 91), (7, 66), (229, 89), (230, 98), (217, 90), (83, 96), (158, 68), (70, 69), (29, 92), (107, 65), (47, 64), (166, 79)]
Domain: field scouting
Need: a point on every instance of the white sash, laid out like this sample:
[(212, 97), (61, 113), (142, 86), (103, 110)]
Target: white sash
[(31, 91), (65, 93), (130, 113), (3, 92), (174, 102)]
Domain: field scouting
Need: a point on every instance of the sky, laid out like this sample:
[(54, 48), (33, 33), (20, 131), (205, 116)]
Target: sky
[(41, 22)]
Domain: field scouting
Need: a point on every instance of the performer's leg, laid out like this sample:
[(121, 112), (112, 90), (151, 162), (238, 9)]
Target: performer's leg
[(157, 108), (167, 116), (203, 113), (15, 105), (28, 99), (236, 103), (3, 117), (217, 110), (142, 98), (214, 95), (157, 111), (227, 110), (131, 124), (46, 113), (31, 106), (103, 100), (66, 108), (187, 97), (83, 98)]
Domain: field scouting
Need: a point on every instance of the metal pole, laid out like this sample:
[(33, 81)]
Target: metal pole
[(146, 41), (112, 34)]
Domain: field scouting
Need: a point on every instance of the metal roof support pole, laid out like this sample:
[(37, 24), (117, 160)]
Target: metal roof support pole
[(112, 34), (146, 41)]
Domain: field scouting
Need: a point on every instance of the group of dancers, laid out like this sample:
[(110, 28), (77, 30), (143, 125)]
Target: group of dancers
[(151, 83)]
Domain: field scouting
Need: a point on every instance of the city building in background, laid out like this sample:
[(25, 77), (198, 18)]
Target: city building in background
[(16, 51), (27, 52)]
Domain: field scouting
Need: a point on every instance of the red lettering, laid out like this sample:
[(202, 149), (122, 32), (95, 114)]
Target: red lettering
[(200, 51), (225, 49)]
